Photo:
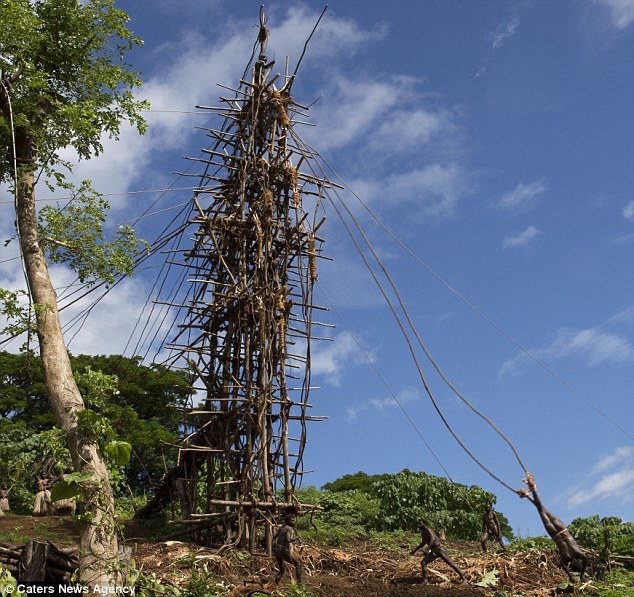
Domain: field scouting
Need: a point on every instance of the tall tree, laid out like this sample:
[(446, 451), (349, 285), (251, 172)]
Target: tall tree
[(65, 84)]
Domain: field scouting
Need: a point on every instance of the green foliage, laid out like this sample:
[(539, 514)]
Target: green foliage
[(619, 583), (23, 454), (542, 542), (490, 579), (95, 426), (136, 400), (8, 584), (298, 590), (75, 235), (69, 487), (344, 514), (22, 391), (75, 84), (152, 586), (406, 497), (363, 504), (360, 481), (97, 387), (16, 312), (70, 87), (200, 583), (118, 451), (609, 535)]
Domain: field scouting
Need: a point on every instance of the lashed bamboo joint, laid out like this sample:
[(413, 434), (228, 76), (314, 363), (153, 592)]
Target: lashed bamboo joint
[(252, 268)]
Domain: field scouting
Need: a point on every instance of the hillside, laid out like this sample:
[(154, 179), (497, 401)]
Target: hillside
[(361, 567)]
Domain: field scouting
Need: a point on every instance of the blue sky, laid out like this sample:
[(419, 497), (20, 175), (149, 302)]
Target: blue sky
[(494, 138)]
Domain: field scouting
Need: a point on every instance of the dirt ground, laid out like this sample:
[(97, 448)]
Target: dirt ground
[(362, 569)]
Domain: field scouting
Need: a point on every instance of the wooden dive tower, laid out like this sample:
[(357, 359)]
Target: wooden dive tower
[(247, 326)]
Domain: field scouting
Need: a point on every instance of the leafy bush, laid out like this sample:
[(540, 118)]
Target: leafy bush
[(609, 534), (364, 504), (406, 497)]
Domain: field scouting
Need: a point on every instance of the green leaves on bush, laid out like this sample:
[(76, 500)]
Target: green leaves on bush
[(69, 487), (608, 534), (361, 503), (118, 451)]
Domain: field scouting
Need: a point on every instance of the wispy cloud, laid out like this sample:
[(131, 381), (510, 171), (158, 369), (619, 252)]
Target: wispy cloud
[(625, 453), (383, 403), (624, 316), (389, 114), (628, 211), (402, 397), (616, 481), (522, 197), (521, 239), (592, 345), (504, 32), (433, 190), (621, 12), (330, 360), (623, 239)]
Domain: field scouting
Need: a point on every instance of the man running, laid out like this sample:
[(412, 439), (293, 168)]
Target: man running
[(435, 551)]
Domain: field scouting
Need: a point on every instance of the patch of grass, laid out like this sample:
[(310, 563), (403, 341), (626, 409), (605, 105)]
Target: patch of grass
[(14, 536), (533, 543), (391, 540), (619, 583)]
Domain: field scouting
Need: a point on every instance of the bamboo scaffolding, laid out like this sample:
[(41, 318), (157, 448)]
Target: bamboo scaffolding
[(252, 268)]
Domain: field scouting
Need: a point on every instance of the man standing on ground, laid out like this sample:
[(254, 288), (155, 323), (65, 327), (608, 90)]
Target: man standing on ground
[(4, 499), (490, 528), (283, 548)]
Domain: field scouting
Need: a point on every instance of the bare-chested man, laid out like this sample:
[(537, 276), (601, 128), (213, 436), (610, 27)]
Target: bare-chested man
[(490, 528), (435, 551), (283, 548), (4, 499), (570, 554), (43, 504)]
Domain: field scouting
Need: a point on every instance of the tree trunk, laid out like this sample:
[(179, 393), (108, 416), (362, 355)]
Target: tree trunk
[(99, 545)]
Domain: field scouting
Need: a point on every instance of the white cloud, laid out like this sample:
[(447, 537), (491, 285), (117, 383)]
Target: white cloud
[(404, 396), (617, 483), (621, 12), (624, 239), (592, 345), (111, 321), (625, 453), (624, 316), (352, 109), (329, 360), (189, 73), (503, 32), (522, 197), (521, 239), (628, 211), (352, 414), (433, 190), (417, 126)]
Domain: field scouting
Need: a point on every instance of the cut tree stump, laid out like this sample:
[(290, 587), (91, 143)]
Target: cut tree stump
[(32, 566)]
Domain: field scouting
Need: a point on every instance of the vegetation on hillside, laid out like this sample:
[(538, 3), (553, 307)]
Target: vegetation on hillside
[(139, 404)]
